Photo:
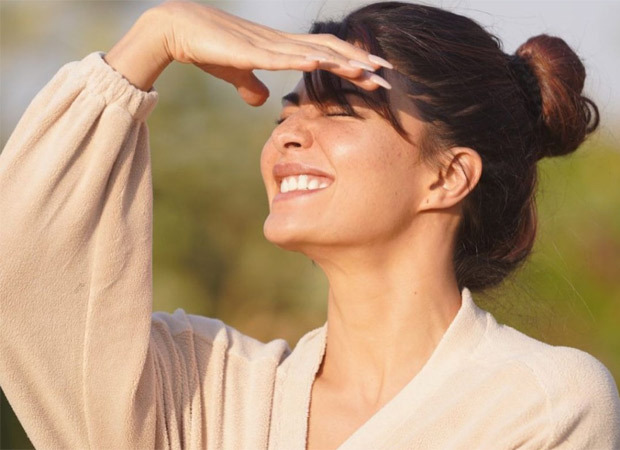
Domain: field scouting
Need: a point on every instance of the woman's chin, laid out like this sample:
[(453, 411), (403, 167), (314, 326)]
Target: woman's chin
[(286, 237), (287, 234)]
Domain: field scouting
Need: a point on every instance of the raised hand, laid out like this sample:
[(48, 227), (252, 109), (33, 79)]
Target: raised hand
[(230, 48)]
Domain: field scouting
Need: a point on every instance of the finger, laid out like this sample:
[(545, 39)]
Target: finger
[(370, 82), (321, 53), (346, 49), (360, 77), (250, 88), (273, 60)]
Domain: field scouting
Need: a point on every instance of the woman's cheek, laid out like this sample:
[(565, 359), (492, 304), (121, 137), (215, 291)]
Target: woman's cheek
[(268, 159)]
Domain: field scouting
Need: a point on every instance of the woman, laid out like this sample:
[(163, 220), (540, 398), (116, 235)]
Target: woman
[(405, 169)]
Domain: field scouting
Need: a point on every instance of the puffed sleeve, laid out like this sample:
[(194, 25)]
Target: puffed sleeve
[(82, 360), (75, 271)]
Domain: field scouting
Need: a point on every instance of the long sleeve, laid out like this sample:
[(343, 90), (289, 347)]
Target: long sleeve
[(83, 361), (75, 272)]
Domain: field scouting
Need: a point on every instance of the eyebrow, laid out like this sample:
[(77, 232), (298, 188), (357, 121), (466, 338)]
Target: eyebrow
[(292, 97)]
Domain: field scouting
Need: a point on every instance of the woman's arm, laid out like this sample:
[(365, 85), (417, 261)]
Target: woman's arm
[(75, 282), (230, 48), (77, 357)]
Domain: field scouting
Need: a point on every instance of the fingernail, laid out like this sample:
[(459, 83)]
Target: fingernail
[(361, 65), (380, 81), (378, 60), (316, 58)]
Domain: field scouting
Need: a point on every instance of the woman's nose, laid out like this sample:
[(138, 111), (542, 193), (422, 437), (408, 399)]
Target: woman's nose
[(292, 134)]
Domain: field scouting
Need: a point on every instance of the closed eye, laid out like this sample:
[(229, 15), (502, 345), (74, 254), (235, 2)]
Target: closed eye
[(342, 113), (346, 114)]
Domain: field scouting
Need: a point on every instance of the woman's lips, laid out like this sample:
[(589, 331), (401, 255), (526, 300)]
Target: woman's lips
[(295, 179), (303, 182)]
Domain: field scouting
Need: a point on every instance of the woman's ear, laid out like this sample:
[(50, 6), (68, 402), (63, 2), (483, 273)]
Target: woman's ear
[(457, 175)]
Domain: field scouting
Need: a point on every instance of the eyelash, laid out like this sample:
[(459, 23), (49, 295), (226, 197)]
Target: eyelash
[(343, 114)]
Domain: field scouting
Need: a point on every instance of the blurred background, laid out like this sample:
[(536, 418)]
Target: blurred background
[(210, 257)]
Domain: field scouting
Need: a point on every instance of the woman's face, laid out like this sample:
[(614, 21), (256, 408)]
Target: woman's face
[(334, 180)]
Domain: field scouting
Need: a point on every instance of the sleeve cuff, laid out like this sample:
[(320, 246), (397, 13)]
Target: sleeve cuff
[(104, 81)]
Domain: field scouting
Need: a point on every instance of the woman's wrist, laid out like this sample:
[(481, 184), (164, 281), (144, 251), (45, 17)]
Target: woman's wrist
[(141, 55)]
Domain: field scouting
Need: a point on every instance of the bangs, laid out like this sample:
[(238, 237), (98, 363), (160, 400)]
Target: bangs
[(326, 89)]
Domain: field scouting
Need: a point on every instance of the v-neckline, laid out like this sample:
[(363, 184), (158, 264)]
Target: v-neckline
[(301, 367)]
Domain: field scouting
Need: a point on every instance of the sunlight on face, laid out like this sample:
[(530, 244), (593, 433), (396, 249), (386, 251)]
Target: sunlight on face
[(335, 180)]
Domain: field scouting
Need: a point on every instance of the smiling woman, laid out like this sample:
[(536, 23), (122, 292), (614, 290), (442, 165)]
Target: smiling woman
[(364, 162), (403, 164)]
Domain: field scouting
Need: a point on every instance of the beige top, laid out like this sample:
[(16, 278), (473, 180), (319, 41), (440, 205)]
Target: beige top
[(85, 365)]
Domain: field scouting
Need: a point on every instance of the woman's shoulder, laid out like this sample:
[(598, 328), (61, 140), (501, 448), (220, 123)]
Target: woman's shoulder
[(580, 393), (549, 363), (186, 330), (502, 347)]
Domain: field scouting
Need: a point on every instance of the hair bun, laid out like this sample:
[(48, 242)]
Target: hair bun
[(567, 116)]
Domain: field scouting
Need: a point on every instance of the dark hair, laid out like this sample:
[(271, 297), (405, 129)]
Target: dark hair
[(512, 109)]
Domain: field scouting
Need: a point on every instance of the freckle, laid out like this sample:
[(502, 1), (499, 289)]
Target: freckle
[(426, 200)]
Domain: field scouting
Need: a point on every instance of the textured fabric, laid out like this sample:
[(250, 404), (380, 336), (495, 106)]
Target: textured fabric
[(85, 364), (486, 386)]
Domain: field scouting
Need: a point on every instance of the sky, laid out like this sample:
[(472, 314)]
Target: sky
[(37, 37)]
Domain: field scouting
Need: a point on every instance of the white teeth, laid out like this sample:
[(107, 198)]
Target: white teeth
[(292, 184), (302, 182)]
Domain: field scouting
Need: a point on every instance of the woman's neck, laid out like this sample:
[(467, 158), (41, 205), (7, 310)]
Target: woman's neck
[(387, 311)]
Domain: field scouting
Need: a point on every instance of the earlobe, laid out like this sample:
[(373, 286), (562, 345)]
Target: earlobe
[(456, 177)]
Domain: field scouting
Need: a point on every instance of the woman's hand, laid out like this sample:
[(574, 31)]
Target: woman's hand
[(230, 48)]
